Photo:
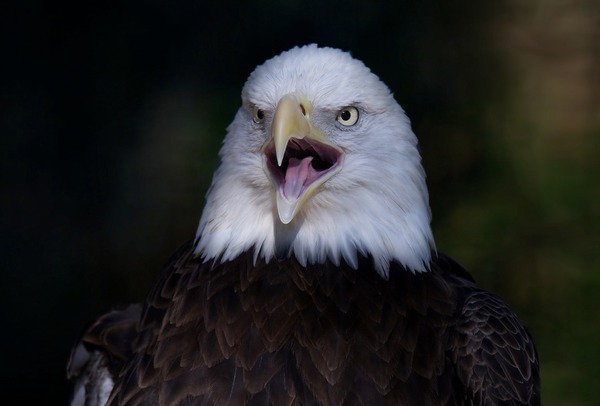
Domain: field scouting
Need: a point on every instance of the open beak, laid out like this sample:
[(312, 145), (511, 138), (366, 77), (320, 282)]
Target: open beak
[(298, 157)]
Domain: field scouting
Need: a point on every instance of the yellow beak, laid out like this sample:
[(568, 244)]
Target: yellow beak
[(298, 158)]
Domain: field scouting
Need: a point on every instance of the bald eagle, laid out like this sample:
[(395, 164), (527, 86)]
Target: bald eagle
[(313, 278)]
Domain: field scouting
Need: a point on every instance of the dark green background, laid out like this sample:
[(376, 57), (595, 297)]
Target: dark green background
[(111, 114)]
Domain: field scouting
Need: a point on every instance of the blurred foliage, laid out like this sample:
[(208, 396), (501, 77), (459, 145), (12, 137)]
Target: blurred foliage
[(111, 116)]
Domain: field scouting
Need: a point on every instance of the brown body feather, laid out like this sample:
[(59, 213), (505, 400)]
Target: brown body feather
[(240, 333)]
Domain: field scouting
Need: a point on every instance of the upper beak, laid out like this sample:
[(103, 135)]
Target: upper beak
[(298, 157)]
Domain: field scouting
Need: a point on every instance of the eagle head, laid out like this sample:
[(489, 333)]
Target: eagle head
[(320, 163)]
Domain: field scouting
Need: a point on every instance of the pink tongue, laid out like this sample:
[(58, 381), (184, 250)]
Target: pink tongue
[(295, 177)]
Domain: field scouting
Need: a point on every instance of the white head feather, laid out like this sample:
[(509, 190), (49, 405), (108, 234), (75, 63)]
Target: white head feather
[(376, 205)]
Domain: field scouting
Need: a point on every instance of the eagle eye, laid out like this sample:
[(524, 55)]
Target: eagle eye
[(348, 116), (258, 115)]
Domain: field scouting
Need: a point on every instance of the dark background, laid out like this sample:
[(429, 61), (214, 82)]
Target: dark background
[(111, 114)]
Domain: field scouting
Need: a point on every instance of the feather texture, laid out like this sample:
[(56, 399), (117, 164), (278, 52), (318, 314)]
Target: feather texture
[(274, 334)]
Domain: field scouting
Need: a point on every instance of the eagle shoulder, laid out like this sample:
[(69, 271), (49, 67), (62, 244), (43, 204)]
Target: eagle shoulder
[(494, 354), (98, 355)]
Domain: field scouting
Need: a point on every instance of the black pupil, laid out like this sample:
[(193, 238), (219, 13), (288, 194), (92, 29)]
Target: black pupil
[(345, 115), (260, 114)]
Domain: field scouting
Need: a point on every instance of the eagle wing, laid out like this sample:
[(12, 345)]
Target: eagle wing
[(495, 357), (99, 355)]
